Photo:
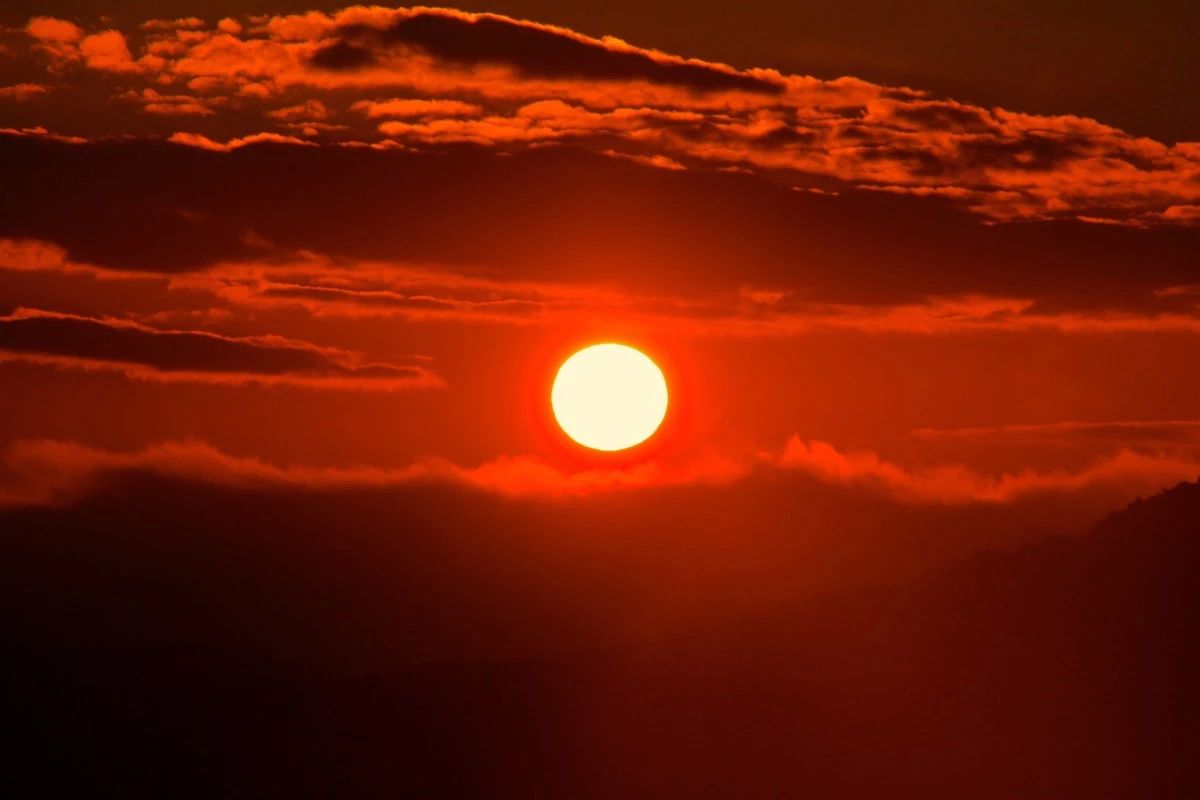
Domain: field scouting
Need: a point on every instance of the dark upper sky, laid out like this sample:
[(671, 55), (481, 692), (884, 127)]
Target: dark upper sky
[(1133, 65)]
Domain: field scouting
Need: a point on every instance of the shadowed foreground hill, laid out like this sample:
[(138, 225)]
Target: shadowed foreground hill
[(1061, 669)]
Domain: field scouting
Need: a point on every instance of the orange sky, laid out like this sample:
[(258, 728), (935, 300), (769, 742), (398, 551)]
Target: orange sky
[(364, 240), (284, 509)]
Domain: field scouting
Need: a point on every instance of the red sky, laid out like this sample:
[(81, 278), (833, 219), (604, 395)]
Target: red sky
[(283, 291), (365, 239)]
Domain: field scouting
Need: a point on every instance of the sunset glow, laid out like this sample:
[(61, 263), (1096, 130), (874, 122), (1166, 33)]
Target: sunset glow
[(639, 400)]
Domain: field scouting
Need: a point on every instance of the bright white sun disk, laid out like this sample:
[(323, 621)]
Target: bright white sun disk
[(609, 397)]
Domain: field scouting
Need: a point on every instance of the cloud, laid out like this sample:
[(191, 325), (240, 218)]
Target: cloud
[(1071, 433), (181, 23), (308, 110), (933, 315), (1183, 213), (46, 470), (65, 42), (108, 52), (31, 254), (38, 132), (464, 75), (56, 40), (415, 107), (68, 341), (544, 120), (154, 102), (404, 555), (50, 29), (534, 50), (328, 288), (956, 484), (21, 92), (380, 291), (685, 234), (205, 143)]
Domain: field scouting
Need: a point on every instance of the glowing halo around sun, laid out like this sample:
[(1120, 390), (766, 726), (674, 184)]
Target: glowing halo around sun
[(609, 397)]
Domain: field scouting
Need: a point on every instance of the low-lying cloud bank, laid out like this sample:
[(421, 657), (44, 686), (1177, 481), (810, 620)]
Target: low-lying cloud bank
[(49, 471), (954, 484)]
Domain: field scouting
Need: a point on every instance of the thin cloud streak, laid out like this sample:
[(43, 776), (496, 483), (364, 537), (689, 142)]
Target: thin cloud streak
[(323, 288), (1072, 432), (137, 351)]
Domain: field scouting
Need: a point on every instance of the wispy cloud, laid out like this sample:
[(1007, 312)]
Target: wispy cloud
[(954, 484), (68, 341)]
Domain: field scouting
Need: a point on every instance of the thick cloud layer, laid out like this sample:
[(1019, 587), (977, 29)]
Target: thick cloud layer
[(567, 215), (535, 85), (537, 51)]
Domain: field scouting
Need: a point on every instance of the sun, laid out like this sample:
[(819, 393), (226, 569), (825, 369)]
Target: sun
[(609, 397)]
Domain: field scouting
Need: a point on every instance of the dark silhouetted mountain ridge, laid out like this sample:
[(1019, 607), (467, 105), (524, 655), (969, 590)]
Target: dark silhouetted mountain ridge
[(1059, 669)]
